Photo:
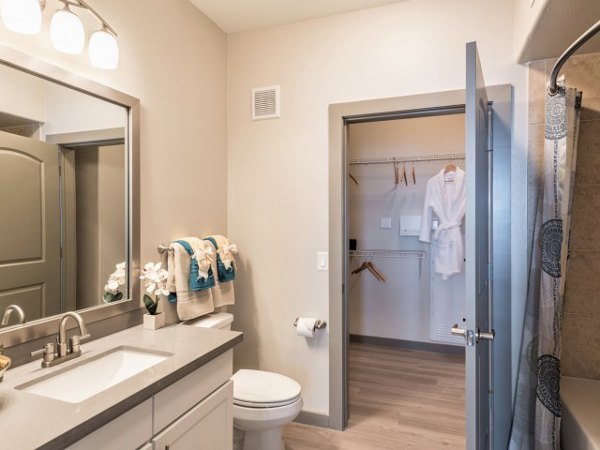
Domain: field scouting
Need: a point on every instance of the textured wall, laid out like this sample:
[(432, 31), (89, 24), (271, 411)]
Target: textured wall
[(581, 320)]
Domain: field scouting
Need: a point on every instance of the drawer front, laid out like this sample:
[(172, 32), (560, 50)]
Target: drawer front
[(207, 426), (175, 400), (130, 430)]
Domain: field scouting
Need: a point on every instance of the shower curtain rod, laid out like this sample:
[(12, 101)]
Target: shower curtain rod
[(553, 88)]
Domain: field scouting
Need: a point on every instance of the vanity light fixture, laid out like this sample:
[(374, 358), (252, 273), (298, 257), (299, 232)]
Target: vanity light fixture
[(22, 16), (66, 30)]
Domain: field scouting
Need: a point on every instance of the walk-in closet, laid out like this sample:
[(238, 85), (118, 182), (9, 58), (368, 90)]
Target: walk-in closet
[(406, 283)]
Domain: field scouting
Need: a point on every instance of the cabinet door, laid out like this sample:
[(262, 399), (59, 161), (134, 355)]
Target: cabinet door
[(207, 426), (129, 430)]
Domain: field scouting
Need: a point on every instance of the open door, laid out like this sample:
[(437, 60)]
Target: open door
[(30, 226), (478, 254)]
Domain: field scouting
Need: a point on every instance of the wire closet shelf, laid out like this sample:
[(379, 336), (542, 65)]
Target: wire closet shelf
[(391, 254), (406, 159)]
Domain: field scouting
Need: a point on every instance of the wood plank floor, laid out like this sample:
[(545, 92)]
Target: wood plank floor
[(399, 399)]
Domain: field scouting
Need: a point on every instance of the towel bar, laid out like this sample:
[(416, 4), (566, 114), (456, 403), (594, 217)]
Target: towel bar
[(319, 325)]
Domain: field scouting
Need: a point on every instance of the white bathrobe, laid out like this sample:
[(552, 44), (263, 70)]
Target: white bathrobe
[(445, 198)]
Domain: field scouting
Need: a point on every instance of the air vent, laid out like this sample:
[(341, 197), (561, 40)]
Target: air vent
[(265, 103)]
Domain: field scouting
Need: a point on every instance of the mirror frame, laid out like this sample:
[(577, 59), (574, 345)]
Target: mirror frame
[(18, 334)]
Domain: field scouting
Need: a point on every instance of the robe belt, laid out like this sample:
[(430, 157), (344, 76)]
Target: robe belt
[(443, 227)]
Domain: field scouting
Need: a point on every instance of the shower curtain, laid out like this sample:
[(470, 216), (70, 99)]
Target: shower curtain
[(537, 411)]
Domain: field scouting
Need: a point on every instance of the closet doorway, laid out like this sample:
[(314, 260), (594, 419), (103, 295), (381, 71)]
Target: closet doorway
[(413, 333), (405, 367)]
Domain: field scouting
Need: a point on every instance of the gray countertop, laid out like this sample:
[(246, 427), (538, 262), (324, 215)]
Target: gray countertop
[(29, 421)]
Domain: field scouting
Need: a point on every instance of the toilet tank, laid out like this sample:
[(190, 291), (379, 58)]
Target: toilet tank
[(221, 320)]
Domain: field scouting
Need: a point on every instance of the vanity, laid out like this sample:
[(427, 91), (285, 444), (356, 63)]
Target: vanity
[(184, 396)]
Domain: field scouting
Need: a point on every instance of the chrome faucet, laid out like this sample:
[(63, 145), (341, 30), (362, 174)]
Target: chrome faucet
[(9, 309), (61, 352)]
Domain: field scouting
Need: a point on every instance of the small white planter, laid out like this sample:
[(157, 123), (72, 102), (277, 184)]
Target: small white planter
[(154, 322)]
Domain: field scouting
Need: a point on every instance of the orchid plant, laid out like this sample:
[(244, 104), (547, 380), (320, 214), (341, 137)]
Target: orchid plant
[(155, 282), (112, 289)]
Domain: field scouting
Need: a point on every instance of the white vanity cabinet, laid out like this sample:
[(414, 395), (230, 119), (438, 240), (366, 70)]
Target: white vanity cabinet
[(207, 426), (193, 412)]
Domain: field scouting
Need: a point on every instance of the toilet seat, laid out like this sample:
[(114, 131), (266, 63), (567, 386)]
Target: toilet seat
[(262, 389)]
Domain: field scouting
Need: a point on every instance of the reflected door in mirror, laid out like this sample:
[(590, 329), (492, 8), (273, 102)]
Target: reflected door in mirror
[(29, 226)]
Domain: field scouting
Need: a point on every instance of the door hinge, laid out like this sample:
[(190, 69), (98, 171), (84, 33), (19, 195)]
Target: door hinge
[(490, 128)]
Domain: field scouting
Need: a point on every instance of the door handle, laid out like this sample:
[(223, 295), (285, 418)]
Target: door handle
[(471, 337), (487, 336)]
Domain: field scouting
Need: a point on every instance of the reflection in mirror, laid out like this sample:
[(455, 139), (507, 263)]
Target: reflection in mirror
[(63, 193)]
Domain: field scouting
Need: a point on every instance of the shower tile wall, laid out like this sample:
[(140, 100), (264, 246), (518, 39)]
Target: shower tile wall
[(581, 319)]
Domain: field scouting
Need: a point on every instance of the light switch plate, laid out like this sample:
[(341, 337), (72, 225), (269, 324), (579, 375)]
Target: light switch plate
[(385, 222), (322, 260)]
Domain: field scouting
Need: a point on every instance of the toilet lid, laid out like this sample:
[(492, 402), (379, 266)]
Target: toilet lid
[(261, 389)]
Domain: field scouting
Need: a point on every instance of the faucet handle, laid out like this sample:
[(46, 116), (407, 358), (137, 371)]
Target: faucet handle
[(74, 342), (47, 351)]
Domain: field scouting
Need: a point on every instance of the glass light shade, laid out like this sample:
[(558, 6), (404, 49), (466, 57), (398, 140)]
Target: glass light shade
[(21, 16), (66, 32), (103, 50)]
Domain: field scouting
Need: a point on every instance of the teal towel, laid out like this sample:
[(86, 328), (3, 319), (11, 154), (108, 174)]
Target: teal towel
[(197, 283)]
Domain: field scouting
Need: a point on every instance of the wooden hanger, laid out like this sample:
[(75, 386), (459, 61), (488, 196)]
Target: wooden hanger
[(368, 265), (375, 272), (352, 178), (414, 177), (396, 176), (360, 268), (450, 168), (404, 174)]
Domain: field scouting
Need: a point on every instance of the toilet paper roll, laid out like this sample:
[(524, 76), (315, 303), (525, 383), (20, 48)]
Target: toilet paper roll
[(306, 327)]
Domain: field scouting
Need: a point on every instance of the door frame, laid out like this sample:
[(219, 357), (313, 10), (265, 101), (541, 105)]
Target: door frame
[(340, 116)]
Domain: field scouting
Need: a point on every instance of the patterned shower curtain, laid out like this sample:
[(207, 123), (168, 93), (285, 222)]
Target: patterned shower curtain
[(537, 411)]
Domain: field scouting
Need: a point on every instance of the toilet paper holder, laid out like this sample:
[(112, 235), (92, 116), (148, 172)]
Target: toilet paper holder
[(319, 324)]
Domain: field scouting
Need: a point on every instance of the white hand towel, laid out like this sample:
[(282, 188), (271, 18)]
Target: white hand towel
[(190, 304)]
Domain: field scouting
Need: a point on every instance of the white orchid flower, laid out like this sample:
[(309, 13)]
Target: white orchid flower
[(116, 279), (155, 279)]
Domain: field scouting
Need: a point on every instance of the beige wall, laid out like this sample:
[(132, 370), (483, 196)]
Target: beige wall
[(581, 320), (174, 60), (278, 169)]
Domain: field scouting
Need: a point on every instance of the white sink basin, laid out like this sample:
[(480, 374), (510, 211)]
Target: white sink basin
[(94, 375)]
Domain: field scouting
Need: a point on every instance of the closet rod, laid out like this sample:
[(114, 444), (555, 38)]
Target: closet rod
[(406, 159), (392, 254), (372, 253)]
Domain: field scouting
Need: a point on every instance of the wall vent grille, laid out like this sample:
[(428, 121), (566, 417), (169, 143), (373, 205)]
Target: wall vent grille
[(266, 103)]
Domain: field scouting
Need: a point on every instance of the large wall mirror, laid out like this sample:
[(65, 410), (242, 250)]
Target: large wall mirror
[(69, 196)]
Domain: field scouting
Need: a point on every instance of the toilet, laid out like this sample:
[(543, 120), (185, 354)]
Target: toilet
[(263, 402)]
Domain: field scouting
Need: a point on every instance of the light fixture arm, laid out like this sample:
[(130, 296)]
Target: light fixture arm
[(84, 5)]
